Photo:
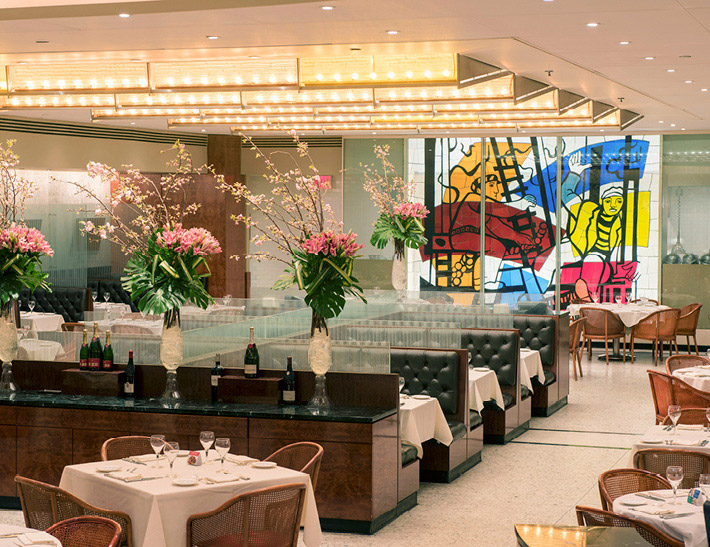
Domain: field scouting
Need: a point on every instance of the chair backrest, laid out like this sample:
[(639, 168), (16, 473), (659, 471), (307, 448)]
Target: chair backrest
[(674, 362), (538, 332), (638, 301), (575, 333), (87, 531), (271, 516), (689, 416), (73, 327), (687, 396), (117, 448), (619, 482), (688, 319), (656, 460), (69, 302), (497, 349), (304, 457), (601, 322), (662, 391), (588, 516), (123, 328), (661, 323)]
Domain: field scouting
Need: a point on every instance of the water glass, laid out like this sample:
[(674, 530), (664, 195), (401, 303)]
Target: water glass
[(618, 299), (595, 297), (157, 442), (94, 295), (401, 384), (704, 484), (674, 412), (206, 440), (674, 474), (171, 453), (222, 446), (31, 304), (106, 296)]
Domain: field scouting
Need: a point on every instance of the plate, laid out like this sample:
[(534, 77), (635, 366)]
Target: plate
[(633, 503), (264, 465), (108, 468), (183, 453), (652, 440), (421, 397), (185, 481), (481, 369)]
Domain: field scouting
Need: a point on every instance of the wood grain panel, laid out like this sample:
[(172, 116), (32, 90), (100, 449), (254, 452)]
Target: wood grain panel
[(8, 462), (185, 424), (385, 464), (42, 453), (63, 417), (8, 415), (303, 430), (86, 443)]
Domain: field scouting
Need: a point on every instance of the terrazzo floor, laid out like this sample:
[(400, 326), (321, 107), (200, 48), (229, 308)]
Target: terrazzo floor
[(536, 479)]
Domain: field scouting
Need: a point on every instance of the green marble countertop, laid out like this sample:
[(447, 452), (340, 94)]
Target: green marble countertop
[(298, 412)]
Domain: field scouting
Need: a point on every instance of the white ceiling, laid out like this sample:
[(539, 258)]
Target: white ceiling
[(525, 36)]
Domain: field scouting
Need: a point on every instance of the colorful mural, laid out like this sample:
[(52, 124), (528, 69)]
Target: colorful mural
[(608, 217)]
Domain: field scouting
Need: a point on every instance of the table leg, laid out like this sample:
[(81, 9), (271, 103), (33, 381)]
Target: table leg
[(616, 355)]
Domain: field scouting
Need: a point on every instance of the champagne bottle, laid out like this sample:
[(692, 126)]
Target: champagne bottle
[(251, 357), (215, 375), (130, 385), (107, 362), (95, 352), (288, 394), (84, 352)]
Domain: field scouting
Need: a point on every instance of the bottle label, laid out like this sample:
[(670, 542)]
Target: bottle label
[(84, 364), (289, 396), (128, 388), (95, 364), (215, 380), (249, 369), (107, 365)]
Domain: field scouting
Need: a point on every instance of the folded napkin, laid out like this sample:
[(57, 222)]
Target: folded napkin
[(145, 458), (219, 478), (685, 442), (656, 511), (35, 538), (668, 494), (691, 427), (240, 460), (125, 476)]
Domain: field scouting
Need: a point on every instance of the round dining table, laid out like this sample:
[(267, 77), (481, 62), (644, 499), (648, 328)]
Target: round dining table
[(698, 377), (12, 536)]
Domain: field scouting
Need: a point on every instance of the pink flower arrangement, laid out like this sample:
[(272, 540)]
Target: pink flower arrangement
[(411, 210), (196, 240), (332, 243), (19, 238)]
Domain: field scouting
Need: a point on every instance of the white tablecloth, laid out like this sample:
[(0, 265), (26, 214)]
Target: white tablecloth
[(38, 350), (159, 510), (421, 420), (37, 321), (690, 529), (132, 326), (482, 386), (530, 367), (6, 529), (115, 308), (630, 314), (698, 377), (687, 437)]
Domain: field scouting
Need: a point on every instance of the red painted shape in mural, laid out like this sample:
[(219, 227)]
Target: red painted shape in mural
[(511, 234), (613, 275)]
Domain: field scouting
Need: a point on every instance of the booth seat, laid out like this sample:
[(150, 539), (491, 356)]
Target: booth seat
[(115, 289), (69, 302), (440, 373), (499, 350), (549, 335)]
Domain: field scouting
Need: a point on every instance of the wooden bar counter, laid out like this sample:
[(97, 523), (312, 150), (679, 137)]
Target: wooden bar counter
[(41, 432)]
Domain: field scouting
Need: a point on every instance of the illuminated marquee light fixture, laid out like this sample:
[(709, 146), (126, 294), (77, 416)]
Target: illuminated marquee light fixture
[(77, 78)]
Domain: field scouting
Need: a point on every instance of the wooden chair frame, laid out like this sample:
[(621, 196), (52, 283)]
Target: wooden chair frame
[(118, 440), (312, 467), (607, 499), (607, 518), (670, 338), (576, 348), (606, 337), (691, 317), (80, 538)]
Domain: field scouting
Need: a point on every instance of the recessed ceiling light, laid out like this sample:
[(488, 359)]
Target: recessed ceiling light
[(327, 8), (254, 57), (704, 89), (592, 25), (649, 58), (392, 32), (124, 15), (204, 130), (41, 41), (136, 60), (670, 70), (660, 121), (21, 62), (672, 125), (682, 128), (212, 37), (133, 123), (624, 43), (374, 132), (684, 56), (355, 49), (689, 81)]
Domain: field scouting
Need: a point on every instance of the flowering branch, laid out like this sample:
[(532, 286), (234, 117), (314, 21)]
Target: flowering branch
[(14, 190)]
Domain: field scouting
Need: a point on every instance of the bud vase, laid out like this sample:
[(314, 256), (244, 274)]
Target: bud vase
[(320, 359), (171, 353), (399, 270), (8, 346)]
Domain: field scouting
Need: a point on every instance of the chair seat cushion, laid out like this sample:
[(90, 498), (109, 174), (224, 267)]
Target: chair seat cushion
[(474, 419), (525, 392), (549, 378), (261, 538), (458, 430), (409, 454), (508, 401)]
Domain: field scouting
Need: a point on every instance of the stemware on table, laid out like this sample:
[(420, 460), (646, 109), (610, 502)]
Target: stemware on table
[(157, 442), (401, 384), (674, 474), (171, 452), (674, 412), (222, 446), (31, 304), (94, 295), (206, 440)]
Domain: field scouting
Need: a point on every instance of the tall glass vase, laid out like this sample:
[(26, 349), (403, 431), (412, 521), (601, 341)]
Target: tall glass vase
[(171, 353), (399, 270), (320, 359), (8, 347)]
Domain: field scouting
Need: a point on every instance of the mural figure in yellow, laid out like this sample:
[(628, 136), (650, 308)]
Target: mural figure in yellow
[(596, 230)]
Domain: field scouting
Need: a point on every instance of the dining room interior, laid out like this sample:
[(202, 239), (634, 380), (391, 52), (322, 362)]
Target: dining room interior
[(341, 273)]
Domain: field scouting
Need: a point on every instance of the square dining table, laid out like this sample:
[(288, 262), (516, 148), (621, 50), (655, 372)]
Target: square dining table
[(159, 509), (483, 386), (422, 419), (38, 321)]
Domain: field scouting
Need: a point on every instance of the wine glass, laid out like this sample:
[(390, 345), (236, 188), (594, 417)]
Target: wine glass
[(674, 474), (206, 440), (628, 295), (674, 414), (31, 304), (617, 299), (227, 299), (171, 452), (595, 297), (704, 484), (106, 297), (157, 442), (401, 384), (222, 446), (94, 295)]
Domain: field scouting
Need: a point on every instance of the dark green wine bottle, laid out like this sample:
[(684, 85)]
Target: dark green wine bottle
[(215, 374), (130, 386), (95, 352), (84, 352), (251, 357), (107, 362)]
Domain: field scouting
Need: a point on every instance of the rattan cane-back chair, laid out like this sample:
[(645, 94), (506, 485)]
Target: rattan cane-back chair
[(675, 362), (602, 324), (44, 505), (656, 460), (575, 347), (688, 396), (588, 516), (271, 516), (661, 389), (125, 447), (87, 532), (640, 301), (689, 416), (304, 457), (619, 482), (688, 324), (658, 327)]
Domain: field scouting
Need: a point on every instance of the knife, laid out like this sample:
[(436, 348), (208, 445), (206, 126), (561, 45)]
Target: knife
[(676, 515), (131, 460), (649, 496)]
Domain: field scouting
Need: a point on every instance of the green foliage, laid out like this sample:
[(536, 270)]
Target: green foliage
[(409, 230), (19, 270), (326, 279), (161, 279)]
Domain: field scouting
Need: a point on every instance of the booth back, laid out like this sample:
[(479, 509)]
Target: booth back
[(496, 349), (538, 332), (115, 289), (70, 302)]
